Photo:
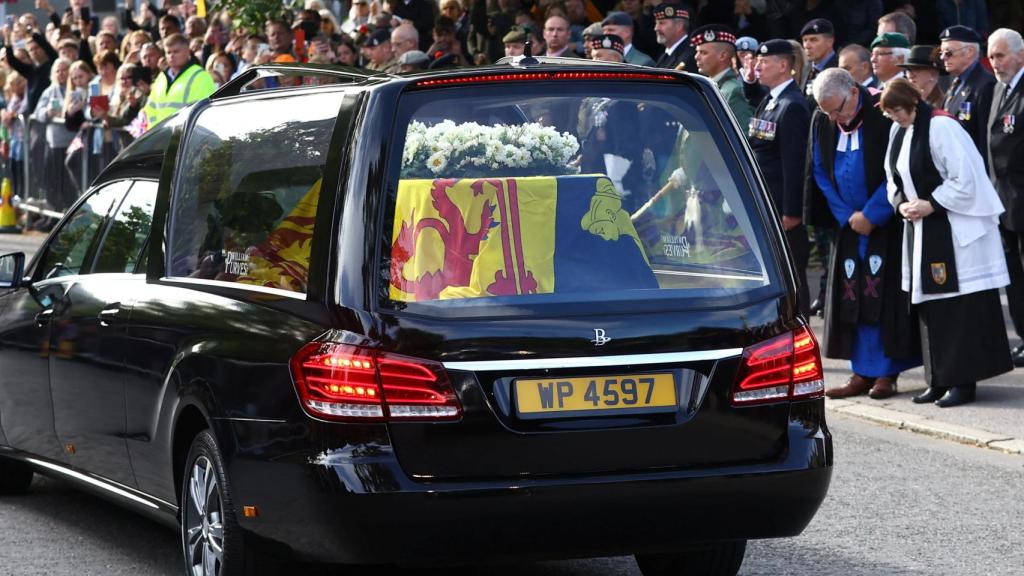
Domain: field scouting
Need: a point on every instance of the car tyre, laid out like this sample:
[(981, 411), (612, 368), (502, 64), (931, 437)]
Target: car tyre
[(212, 540), (15, 477), (720, 559)]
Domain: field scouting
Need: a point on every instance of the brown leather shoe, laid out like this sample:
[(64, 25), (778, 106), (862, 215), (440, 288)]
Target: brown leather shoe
[(855, 386), (885, 387)]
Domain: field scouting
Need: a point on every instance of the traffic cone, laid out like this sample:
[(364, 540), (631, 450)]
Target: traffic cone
[(8, 217)]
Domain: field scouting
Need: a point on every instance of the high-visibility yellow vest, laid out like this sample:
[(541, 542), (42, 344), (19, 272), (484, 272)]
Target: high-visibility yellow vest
[(191, 85)]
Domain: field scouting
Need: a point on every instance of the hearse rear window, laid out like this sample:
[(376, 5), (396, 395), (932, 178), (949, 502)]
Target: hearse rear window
[(562, 191)]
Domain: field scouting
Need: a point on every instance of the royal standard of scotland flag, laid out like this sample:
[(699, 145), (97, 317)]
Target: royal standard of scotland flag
[(475, 237)]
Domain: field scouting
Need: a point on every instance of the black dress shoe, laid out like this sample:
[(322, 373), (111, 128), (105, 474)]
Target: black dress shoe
[(929, 395), (956, 396)]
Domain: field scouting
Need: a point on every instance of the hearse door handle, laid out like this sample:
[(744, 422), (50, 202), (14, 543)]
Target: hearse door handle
[(43, 317), (108, 315)]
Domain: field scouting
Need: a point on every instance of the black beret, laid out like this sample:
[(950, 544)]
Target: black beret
[(667, 10), (775, 48), (378, 37), (818, 26), (608, 42), (961, 33), (712, 33)]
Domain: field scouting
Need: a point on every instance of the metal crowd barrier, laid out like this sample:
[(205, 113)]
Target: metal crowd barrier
[(33, 183)]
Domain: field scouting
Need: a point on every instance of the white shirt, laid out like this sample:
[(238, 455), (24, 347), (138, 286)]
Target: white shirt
[(669, 51), (778, 89), (972, 205), (1016, 78)]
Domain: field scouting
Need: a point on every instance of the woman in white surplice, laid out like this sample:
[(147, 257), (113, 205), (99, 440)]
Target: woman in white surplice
[(953, 262)]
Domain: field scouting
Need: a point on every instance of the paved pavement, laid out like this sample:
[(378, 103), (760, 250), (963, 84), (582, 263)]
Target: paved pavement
[(995, 420)]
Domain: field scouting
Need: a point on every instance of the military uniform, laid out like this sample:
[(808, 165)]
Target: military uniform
[(682, 55), (778, 136), (823, 27), (728, 81), (1005, 149), (970, 95)]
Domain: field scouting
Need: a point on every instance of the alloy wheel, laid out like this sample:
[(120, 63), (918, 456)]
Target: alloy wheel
[(203, 521)]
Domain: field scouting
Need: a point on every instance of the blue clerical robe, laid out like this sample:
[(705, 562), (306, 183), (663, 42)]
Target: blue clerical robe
[(849, 195)]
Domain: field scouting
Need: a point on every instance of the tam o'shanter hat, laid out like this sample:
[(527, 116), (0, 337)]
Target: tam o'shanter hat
[(669, 10), (712, 33), (608, 42)]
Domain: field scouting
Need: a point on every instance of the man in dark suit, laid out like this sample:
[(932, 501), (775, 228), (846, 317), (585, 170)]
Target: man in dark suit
[(970, 95), (1005, 151), (778, 136), (818, 38), (672, 25)]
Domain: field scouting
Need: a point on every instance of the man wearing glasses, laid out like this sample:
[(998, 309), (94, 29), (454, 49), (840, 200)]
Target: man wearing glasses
[(970, 95), (866, 312), (888, 51)]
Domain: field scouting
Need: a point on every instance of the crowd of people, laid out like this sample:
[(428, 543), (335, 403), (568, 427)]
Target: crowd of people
[(885, 140)]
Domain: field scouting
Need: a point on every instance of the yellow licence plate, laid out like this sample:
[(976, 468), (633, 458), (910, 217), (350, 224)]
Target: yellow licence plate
[(566, 396)]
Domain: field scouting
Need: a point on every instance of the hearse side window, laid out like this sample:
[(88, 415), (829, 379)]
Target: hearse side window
[(543, 194), (127, 233), (69, 252), (247, 191)]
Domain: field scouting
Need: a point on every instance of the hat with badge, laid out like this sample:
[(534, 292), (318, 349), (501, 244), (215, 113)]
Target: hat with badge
[(670, 10), (961, 33), (922, 57), (775, 47), (617, 19), (608, 42), (890, 40), (377, 37), (818, 26), (517, 35), (747, 44), (712, 33)]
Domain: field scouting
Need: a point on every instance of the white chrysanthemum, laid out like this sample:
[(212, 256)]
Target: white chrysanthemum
[(437, 162)]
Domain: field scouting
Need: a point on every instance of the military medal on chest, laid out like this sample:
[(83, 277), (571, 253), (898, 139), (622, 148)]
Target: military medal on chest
[(1009, 121), (965, 112)]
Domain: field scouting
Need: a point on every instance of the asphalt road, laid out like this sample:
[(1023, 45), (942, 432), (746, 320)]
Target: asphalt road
[(900, 503)]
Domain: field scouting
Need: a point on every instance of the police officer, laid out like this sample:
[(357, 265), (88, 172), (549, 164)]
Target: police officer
[(1006, 148), (818, 37), (716, 48), (671, 25), (182, 83), (778, 135), (970, 95)]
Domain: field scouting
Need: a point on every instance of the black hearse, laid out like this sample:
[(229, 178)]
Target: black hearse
[(531, 310)]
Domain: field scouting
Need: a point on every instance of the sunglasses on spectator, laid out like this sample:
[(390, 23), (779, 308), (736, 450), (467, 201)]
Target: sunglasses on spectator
[(950, 52)]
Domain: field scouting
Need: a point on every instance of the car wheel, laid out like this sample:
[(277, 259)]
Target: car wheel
[(722, 559), (211, 537), (15, 477)]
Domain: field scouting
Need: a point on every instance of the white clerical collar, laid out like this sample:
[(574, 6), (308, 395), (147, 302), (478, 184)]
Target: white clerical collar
[(1016, 78), (778, 89), (669, 51)]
